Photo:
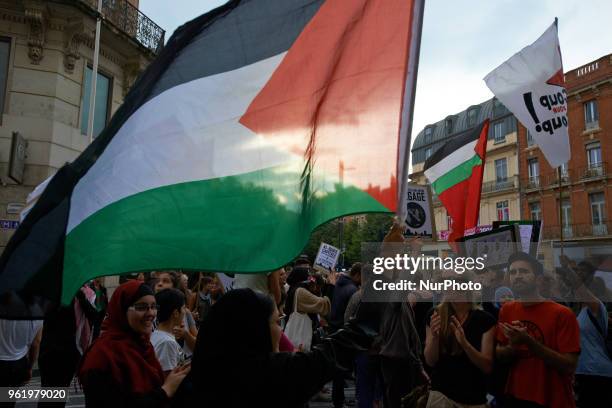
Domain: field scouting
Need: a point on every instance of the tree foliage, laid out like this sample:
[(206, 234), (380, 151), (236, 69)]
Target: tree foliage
[(354, 231)]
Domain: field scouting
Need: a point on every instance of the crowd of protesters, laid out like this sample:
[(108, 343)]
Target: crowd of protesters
[(168, 338)]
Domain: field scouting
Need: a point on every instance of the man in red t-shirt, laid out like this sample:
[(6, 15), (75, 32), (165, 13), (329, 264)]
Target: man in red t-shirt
[(540, 339)]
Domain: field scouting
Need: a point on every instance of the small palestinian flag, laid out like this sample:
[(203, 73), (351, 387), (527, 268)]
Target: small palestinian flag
[(455, 174), (258, 122)]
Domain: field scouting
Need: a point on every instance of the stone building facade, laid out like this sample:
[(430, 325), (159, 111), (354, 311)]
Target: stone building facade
[(46, 57), (500, 199)]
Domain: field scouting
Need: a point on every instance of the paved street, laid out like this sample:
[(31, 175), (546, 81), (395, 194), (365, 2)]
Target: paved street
[(77, 399)]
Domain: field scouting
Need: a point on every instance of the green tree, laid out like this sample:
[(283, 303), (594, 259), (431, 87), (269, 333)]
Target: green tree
[(373, 229)]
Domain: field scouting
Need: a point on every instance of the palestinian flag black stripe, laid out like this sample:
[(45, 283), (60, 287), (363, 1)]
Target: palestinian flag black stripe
[(231, 147)]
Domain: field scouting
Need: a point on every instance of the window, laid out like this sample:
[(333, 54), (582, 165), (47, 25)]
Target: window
[(566, 212), (564, 170), (5, 51), (471, 117), (498, 132), (598, 215), (103, 94), (498, 108), (503, 213), (566, 217), (594, 155), (448, 124), (428, 134), (535, 211), (533, 169), (427, 153), (591, 116), (501, 170), (530, 141)]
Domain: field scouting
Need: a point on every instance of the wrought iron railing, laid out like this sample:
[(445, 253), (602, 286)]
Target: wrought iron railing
[(568, 176), (507, 183), (593, 171), (578, 230), (131, 21), (552, 179)]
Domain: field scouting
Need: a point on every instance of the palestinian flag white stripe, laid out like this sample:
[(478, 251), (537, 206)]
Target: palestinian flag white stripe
[(258, 122), (456, 158), (192, 129)]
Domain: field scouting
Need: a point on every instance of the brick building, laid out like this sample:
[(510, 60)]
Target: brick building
[(586, 181)]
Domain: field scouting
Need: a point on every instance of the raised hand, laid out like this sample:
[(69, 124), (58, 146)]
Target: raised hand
[(458, 331), (435, 324)]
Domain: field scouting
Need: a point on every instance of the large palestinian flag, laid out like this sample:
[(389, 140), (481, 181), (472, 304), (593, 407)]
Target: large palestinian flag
[(455, 172), (258, 122)]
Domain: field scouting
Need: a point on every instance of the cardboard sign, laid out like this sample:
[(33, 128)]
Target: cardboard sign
[(327, 257), (529, 232), (419, 215), (496, 245)]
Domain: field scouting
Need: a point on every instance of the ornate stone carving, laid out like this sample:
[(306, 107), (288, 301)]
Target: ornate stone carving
[(75, 34), (36, 37)]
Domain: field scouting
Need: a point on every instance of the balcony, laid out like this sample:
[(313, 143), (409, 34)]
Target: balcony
[(551, 180), (593, 171), (128, 19), (578, 231), (508, 183), (532, 182)]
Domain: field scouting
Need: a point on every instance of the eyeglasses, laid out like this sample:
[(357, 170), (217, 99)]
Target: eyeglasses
[(143, 307)]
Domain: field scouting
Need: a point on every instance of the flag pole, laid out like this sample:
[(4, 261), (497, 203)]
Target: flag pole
[(560, 209), (94, 75), (414, 50)]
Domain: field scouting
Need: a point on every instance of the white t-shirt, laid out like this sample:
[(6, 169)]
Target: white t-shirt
[(188, 322), (167, 350), (16, 336)]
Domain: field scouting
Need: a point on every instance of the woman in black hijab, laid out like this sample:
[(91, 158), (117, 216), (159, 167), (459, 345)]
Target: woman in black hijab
[(236, 361)]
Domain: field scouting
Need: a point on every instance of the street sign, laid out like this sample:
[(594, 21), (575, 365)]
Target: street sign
[(9, 224), (327, 257), (419, 215)]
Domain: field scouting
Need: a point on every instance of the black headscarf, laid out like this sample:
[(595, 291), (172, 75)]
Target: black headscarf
[(237, 327), (234, 366)]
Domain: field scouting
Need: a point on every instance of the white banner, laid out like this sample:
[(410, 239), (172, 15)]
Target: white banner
[(531, 85)]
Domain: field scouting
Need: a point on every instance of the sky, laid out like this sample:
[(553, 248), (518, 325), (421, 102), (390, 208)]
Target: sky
[(463, 40)]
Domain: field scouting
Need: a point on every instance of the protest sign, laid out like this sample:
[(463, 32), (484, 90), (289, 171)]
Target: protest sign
[(419, 212), (327, 257), (529, 232)]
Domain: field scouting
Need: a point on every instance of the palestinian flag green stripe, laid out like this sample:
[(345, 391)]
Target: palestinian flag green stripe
[(456, 175), (262, 215)]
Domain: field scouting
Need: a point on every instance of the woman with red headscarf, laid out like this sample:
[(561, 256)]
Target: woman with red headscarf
[(120, 369)]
